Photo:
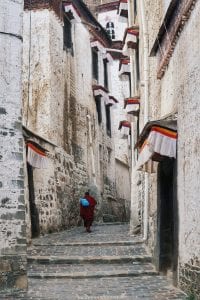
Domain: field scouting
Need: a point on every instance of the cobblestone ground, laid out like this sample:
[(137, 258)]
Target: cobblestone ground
[(106, 264)]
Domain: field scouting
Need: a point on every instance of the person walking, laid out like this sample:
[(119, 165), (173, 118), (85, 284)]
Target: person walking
[(87, 210)]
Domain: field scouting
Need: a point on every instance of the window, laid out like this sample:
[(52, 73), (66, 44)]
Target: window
[(137, 62), (129, 81), (67, 31), (98, 108), (110, 30), (95, 69), (108, 120), (135, 9), (105, 65)]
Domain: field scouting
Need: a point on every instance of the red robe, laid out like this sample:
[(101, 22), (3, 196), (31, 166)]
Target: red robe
[(87, 213)]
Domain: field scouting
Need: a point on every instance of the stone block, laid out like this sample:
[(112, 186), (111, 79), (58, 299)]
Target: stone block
[(5, 266), (21, 282)]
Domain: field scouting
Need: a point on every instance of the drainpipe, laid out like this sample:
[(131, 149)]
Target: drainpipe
[(91, 149), (146, 109)]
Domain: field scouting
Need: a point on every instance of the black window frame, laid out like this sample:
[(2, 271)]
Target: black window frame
[(67, 35), (135, 9), (95, 64), (137, 62), (98, 108), (108, 120), (129, 81), (105, 72), (110, 29)]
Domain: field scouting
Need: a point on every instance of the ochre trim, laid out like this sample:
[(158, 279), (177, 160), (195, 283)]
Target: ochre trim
[(34, 148), (164, 131)]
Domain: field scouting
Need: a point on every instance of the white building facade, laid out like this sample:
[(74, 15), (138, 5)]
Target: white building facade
[(168, 99), (12, 213), (68, 116)]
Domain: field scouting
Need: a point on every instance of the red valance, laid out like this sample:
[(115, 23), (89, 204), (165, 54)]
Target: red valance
[(124, 124), (113, 99), (36, 156), (123, 9), (134, 100)]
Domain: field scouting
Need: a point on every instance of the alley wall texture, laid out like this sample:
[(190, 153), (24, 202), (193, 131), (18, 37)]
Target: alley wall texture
[(181, 84), (12, 211), (59, 106), (120, 88), (177, 94)]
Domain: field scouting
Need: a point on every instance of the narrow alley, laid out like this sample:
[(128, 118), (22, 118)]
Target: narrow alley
[(106, 264), (99, 122)]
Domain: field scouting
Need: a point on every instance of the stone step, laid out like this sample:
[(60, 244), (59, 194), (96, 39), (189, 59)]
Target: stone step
[(89, 243), (90, 271), (87, 251), (88, 259)]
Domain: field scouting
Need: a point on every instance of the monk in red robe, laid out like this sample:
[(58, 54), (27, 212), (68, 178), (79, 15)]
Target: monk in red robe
[(87, 212)]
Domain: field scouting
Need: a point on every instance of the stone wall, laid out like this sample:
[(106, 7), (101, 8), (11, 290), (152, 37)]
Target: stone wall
[(153, 20), (58, 102), (178, 92), (12, 210), (54, 114), (186, 95)]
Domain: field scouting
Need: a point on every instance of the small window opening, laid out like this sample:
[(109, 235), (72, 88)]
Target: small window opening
[(108, 120), (105, 65), (137, 61), (98, 108), (95, 68), (135, 9), (110, 30), (67, 32), (129, 80)]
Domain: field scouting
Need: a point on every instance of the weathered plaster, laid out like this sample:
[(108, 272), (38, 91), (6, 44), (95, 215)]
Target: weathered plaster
[(12, 212)]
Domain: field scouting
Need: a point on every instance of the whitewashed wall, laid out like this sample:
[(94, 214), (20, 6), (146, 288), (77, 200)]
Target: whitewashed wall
[(181, 85), (119, 88), (181, 88), (178, 91), (61, 98), (12, 209), (37, 72)]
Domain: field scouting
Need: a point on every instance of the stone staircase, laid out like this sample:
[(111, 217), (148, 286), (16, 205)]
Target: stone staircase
[(90, 260), (106, 264)]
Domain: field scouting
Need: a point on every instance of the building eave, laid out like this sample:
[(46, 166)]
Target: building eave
[(164, 24), (168, 123)]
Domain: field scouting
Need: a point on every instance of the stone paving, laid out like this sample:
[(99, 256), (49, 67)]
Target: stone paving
[(106, 264)]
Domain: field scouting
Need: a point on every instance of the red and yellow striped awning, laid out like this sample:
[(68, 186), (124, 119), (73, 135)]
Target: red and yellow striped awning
[(160, 142)]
